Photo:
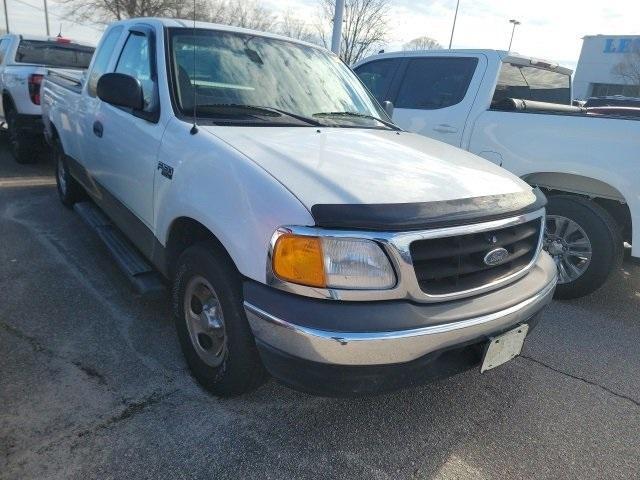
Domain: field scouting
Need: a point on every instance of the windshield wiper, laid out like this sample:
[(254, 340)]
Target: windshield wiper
[(268, 111), (359, 115)]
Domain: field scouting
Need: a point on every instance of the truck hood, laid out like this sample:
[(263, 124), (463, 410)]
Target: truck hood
[(365, 166)]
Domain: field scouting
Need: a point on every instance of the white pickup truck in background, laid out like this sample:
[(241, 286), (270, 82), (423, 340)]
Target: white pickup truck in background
[(23, 63), (291, 241), (516, 111)]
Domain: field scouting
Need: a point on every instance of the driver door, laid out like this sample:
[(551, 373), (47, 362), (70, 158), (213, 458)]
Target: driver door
[(128, 141)]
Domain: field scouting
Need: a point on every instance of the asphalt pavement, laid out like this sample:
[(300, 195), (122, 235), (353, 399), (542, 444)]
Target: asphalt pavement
[(93, 384)]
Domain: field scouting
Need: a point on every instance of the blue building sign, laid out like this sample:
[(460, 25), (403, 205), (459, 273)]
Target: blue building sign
[(621, 45)]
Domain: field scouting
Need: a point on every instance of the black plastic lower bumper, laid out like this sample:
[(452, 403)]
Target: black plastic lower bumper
[(348, 381)]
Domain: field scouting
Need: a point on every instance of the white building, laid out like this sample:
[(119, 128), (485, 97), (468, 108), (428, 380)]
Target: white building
[(600, 54)]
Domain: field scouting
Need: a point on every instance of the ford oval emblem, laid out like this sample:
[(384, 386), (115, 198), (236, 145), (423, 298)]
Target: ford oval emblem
[(496, 256)]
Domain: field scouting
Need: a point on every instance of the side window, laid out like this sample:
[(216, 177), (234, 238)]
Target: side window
[(378, 75), (135, 61), (436, 82), (101, 62)]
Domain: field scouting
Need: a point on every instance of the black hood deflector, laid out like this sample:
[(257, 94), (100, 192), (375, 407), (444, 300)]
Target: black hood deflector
[(427, 215)]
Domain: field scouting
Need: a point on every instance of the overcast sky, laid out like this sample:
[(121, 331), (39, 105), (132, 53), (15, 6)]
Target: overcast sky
[(550, 29)]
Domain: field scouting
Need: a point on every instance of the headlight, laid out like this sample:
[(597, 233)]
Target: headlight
[(329, 262)]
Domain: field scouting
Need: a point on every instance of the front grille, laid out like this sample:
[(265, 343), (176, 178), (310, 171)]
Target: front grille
[(456, 264)]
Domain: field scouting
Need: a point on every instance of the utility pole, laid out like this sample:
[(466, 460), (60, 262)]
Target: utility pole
[(513, 31), (453, 28), (337, 27), (46, 17), (6, 16)]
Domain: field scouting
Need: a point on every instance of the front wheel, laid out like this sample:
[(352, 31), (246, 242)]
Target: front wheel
[(585, 243), (212, 326)]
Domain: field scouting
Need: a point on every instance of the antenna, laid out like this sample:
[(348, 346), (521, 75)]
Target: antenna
[(194, 129), (60, 32)]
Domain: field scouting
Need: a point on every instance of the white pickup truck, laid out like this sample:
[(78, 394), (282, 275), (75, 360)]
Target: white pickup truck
[(301, 230), (23, 62), (516, 111)]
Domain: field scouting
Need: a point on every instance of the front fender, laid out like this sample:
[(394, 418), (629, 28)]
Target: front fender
[(236, 200)]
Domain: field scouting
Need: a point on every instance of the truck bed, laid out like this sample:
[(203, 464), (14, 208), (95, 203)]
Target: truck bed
[(67, 78), (564, 143)]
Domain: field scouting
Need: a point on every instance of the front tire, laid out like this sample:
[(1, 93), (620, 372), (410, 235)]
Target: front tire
[(211, 323), (584, 241)]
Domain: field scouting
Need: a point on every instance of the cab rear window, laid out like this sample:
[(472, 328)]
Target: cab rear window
[(54, 54), (531, 83)]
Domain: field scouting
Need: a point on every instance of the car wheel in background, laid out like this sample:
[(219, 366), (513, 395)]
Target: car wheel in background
[(584, 241), (22, 145), (211, 323)]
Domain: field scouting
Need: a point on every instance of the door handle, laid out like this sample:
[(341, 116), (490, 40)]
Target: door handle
[(98, 129), (445, 128)]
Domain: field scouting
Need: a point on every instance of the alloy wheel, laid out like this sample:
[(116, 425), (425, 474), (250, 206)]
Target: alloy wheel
[(568, 244)]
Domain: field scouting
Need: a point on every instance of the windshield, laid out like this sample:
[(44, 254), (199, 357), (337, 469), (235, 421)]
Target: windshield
[(54, 54), (300, 82), (531, 83)]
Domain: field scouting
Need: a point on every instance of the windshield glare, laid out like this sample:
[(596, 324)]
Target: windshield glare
[(242, 69)]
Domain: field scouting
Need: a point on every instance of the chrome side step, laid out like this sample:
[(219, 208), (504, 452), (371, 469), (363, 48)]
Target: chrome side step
[(144, 278)]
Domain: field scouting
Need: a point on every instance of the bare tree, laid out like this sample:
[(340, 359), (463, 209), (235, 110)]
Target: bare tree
[(240, 13), (185, 10), (295, 27), (365, 28), (104, 11), (422, 43), (629, 67)]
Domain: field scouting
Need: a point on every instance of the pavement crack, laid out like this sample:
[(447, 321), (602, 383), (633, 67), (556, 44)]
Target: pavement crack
[(32, 341), (584, 380), (91, 373), (130, 410), (88, 370)]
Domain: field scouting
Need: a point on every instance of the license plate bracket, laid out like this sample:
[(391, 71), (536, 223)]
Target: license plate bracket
[(503, 348)]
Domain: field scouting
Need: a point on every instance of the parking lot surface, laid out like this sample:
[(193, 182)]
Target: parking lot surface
[(93, 384)]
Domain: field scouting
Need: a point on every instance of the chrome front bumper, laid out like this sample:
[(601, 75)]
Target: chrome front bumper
[(388, 347)]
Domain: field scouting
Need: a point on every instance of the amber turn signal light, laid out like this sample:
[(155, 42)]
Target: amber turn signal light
[(299, 259)]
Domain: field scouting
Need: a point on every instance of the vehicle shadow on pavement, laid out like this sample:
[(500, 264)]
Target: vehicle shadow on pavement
[(94, 385)]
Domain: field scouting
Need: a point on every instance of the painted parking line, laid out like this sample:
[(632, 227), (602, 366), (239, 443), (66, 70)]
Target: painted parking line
[(27, 182)]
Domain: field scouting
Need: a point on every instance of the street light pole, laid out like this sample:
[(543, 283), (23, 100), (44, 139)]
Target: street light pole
[(513, 31), (46, 17), (6, 16), (453, 28), (337, 27)]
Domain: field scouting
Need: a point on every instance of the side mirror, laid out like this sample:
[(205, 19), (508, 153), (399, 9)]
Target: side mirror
[(388, 107), (121, 90)]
